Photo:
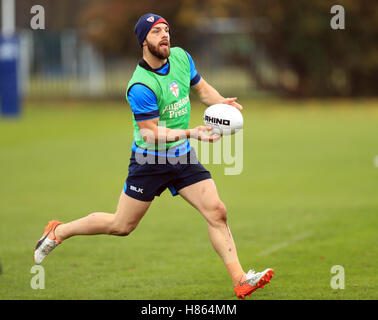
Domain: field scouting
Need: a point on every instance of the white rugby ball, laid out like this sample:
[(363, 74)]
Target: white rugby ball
[(223, 118)]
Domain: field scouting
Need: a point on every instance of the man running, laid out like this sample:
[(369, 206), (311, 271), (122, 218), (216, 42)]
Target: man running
[(161, 157)]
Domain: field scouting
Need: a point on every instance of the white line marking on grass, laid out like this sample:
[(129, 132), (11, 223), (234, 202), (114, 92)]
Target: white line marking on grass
[(287, 243)]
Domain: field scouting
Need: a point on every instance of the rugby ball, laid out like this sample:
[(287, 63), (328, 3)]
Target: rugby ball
[(223, 118)]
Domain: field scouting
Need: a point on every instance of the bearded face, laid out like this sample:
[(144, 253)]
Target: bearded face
[(158, 42), (161, 50)]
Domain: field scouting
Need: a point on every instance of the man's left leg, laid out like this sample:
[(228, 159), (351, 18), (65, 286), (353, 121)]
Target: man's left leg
[(204, 197)]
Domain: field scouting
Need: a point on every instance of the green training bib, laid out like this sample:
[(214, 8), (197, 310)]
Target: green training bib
[(172, 94)]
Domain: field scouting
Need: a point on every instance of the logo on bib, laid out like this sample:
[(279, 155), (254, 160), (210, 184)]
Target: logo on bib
[(173, 86)]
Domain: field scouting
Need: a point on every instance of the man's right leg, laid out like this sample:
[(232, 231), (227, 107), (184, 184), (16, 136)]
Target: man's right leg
[(128, 214)]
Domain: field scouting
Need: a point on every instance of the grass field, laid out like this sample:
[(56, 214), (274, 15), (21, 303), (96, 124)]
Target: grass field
[(307, 200)]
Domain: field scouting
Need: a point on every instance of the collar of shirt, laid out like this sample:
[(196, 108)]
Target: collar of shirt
[(164, 69)]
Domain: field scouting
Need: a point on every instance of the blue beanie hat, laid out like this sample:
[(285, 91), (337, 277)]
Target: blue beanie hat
[(145, 23)]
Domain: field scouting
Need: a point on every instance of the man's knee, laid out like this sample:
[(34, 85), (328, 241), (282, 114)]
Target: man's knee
[(218, 214), (122, 230)]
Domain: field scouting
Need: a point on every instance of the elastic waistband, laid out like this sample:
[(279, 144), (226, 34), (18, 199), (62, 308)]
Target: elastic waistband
[(175, 151)]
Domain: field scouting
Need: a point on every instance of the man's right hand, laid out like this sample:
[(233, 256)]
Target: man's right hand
[(203, 133)]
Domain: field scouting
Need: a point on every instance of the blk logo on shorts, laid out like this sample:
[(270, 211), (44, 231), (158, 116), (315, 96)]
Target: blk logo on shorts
[(173, 86), (136, 189)]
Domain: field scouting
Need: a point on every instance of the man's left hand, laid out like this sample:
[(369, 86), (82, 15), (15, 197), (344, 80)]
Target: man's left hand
[(232, 102)]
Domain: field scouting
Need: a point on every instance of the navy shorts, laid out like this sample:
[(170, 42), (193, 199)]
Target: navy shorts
[(147, 180)]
